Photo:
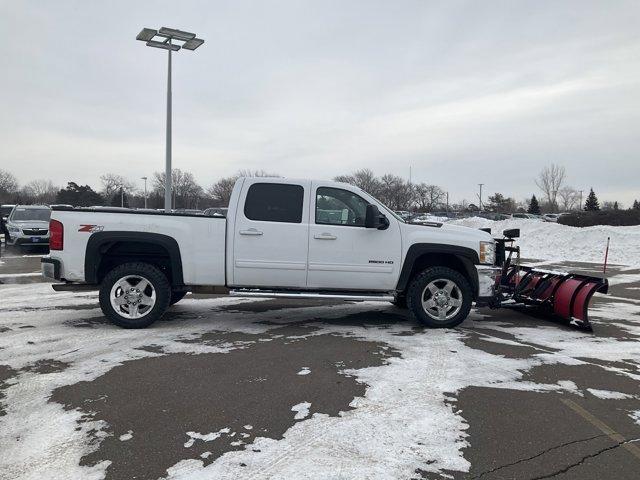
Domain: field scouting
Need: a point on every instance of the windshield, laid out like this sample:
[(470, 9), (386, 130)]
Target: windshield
[(31, 215)]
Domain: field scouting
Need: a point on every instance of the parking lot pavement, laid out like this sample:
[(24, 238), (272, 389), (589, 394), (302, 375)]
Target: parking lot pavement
[(226, 388)]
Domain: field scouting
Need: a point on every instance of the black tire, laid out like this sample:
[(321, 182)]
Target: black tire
[(159, 283), (400, 301), (418, 287), (176, 296)]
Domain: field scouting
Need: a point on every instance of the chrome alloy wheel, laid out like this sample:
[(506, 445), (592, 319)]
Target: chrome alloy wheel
[(441, 299), (132, 296)]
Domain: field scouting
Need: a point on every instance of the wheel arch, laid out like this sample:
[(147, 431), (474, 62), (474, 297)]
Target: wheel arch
[(423, 255), (105, 250)]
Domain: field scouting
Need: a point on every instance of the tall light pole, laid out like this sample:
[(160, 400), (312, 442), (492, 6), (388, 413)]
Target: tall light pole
[(580, 206), (145, 190), (165, 38), (480, 196)]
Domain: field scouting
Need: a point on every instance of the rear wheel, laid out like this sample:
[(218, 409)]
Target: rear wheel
[(440, 297), (134, 295)]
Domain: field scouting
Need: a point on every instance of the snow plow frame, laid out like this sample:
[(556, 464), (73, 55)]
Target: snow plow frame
[(559, 295)]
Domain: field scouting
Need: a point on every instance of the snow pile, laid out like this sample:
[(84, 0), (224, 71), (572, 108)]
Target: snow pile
[(556, 242)]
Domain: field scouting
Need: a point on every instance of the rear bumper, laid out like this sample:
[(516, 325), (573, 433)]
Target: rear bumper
[(50, 268)]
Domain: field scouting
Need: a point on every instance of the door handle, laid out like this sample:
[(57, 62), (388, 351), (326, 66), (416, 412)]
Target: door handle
[(325, 236), (251, 231)]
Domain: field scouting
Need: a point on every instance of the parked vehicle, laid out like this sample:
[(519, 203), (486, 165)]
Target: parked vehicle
[(291, 239), (403, 214), (28, 224), (551, 217), (527, 216), (192, 211), (5, 210), (216, 212)]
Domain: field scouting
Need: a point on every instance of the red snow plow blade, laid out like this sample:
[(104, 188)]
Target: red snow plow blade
[(558, 295), (561, 295)]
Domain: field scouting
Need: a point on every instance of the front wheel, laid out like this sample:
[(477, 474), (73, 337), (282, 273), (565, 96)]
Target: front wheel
[(134, 295), (440, 297)]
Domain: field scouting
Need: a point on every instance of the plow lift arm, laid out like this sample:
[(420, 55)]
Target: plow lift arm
[(558, 295)]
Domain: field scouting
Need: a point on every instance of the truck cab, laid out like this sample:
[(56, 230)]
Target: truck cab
[(280, 238)]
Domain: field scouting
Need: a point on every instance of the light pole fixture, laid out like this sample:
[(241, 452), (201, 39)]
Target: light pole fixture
[(480, 196), (145, 190), (171, 40)]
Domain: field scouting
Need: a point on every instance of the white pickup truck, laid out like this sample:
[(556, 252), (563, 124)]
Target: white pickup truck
[(280, 238)]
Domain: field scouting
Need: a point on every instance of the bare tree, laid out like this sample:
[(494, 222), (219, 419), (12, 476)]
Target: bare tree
[(112, 183), (220, 191), (395, 192), (428, 197), (256, 173), (40, 191), (549, 181), (569, 198), (8, 185), (185, 190), (364, 179)]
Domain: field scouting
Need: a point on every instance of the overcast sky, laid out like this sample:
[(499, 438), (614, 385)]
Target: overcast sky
[(463, 92)]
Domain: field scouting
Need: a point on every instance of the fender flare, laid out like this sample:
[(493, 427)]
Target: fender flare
[(93, 253), (467, 256)]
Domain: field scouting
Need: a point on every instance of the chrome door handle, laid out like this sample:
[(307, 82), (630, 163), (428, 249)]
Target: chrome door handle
[(325, 236), (251, 231)]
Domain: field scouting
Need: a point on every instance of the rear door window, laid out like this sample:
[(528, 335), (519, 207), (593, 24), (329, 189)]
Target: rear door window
[(274, 202)]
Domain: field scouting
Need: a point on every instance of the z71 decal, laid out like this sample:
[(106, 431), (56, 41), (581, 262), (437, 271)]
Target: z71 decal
[(91, 228)]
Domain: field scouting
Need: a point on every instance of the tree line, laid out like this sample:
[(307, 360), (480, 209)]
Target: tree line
[(394, 191)]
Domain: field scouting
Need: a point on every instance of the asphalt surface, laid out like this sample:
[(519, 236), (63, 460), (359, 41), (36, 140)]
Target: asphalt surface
[(247, 392)]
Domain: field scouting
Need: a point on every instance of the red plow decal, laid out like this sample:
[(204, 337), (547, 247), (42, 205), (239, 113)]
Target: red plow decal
[(564, 295)]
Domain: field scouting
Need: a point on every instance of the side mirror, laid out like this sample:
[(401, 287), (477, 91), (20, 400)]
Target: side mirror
[(375, 219)]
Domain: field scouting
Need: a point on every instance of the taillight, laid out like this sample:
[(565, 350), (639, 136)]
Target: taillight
[(56, 235)]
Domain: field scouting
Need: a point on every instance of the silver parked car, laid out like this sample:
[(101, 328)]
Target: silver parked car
[(28, 225)]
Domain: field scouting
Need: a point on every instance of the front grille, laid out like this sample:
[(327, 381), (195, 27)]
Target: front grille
[(35, 231)]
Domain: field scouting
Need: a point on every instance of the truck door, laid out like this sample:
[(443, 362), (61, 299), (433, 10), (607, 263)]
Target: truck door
[(271, 234), (343, 254)]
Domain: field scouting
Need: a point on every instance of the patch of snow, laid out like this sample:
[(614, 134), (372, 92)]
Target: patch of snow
[(248, 427), (209, 437), (608, 394), (126, 436), (304, 371), (302, 410), (205, 455), (635, 416)]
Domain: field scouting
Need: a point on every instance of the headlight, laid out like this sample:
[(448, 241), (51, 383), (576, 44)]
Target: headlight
[(487, 253), (13, 229)]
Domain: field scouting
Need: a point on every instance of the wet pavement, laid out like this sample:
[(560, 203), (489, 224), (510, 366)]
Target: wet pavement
[(228, 388)]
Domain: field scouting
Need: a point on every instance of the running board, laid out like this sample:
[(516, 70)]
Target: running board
[(356, 297)]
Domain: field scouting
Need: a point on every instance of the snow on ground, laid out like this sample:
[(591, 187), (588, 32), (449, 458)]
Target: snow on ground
[(405, 414), (556, 242), (302, 410)]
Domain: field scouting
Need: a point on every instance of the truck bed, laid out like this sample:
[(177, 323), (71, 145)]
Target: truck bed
[(200, 239)]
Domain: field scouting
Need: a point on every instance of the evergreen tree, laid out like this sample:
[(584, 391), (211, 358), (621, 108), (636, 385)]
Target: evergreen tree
[(616, 206), (534, 206), (592, 204), (79, 195), (636, 205)]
